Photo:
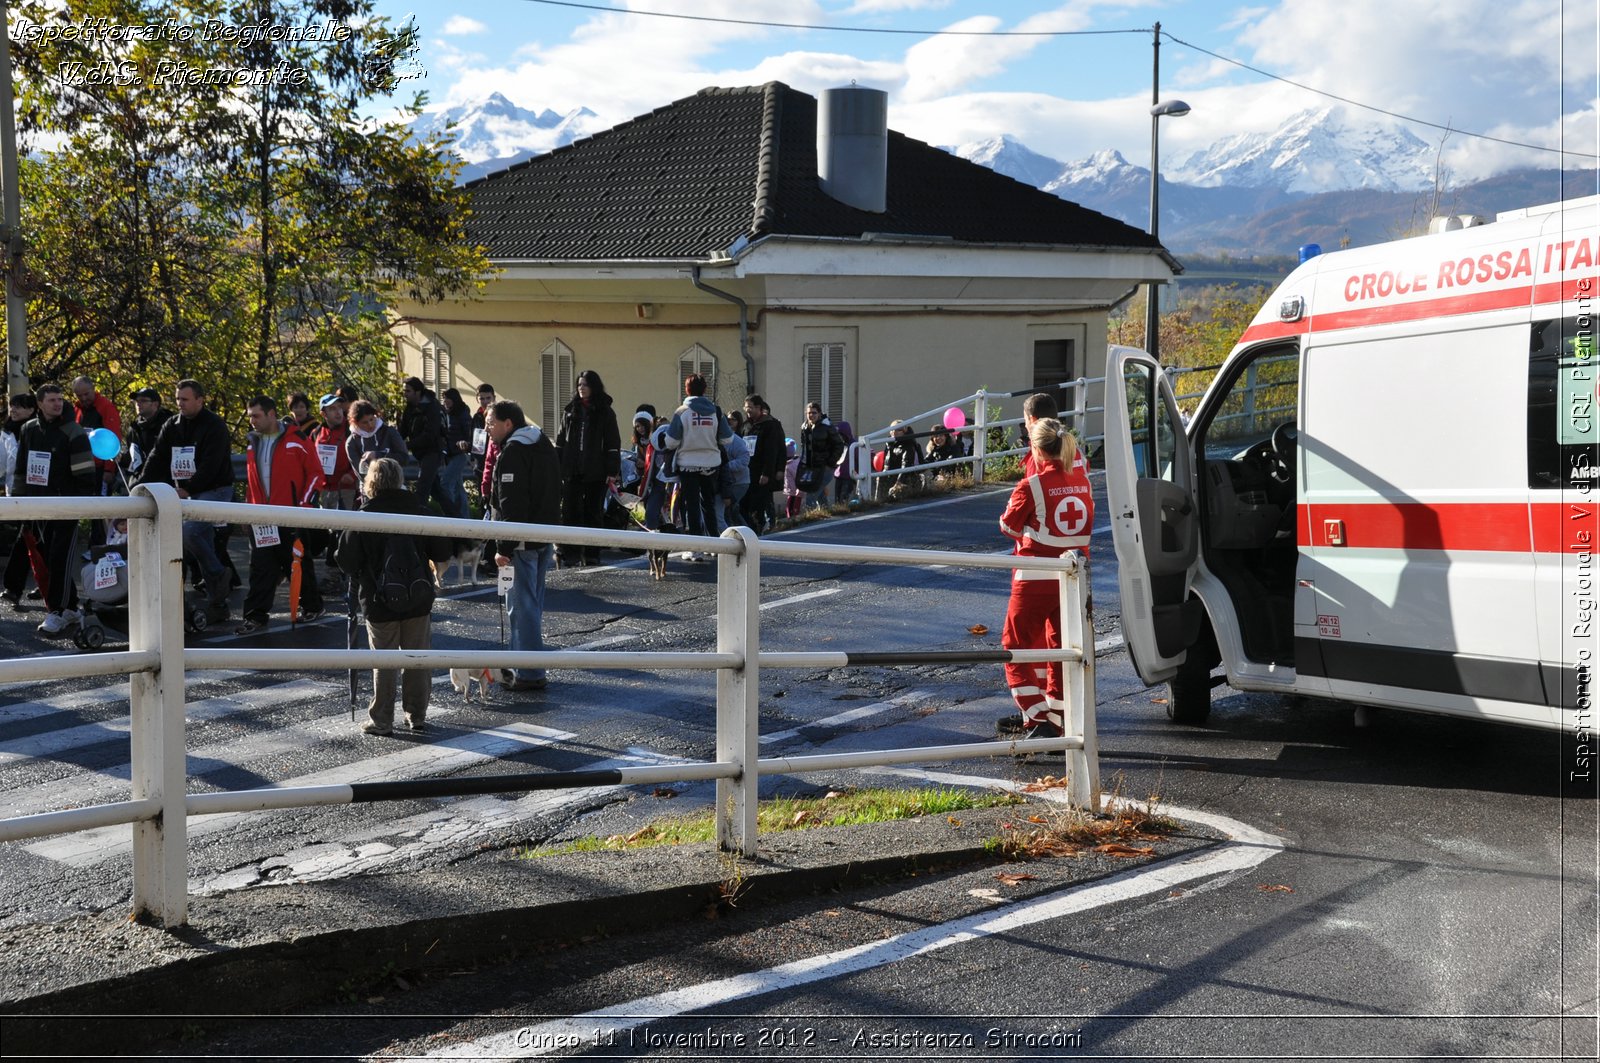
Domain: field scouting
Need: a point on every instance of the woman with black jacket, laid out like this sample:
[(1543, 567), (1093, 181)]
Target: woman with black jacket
[(589, 444)]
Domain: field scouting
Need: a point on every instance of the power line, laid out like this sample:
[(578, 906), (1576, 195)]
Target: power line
[(765, 24), (1372, 107)]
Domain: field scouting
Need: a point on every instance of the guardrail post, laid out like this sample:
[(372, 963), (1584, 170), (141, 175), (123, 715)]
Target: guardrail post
[(1083, 765), (980, 434), (739, 691), (156, 702)]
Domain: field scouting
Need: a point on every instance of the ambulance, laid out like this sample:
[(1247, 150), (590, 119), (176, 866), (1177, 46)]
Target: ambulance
[(1387, 496)]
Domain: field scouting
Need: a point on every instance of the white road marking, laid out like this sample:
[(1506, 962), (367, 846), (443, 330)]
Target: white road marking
[(839, 522), (49, 743), (849, 715), (610, 640), (87, 848), (458, 822), (794, 599), (1246, 848), (115, 693)]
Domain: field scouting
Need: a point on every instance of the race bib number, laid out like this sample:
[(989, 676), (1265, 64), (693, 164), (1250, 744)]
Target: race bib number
[(105, 572), (182, 463), (480, 440), (39, 468), (329, 454), (265, 534), (508, 576)]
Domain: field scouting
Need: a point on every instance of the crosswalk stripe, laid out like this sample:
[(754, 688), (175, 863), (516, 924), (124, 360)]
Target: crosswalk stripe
[(910, 697), (112, 694), (49, 743), (457, 822), (88, 848)]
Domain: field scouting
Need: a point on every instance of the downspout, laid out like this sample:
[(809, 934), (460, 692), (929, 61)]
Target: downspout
[(744, 327)]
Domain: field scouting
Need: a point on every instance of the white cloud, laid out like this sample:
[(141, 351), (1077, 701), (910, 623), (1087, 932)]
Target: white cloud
[(874, 7), (944, 64), (1477, 65), (462, 26)]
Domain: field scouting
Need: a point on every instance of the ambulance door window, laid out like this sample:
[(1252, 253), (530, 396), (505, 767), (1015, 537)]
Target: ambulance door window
[(1156, 437), (1563, 369)]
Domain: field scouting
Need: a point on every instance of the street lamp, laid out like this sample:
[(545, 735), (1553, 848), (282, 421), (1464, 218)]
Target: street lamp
[(1152, 317)]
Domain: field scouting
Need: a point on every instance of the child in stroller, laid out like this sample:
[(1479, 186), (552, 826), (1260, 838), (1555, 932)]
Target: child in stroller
[(103, 588)]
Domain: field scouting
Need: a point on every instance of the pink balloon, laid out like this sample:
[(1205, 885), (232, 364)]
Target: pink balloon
[(954, 418), (877, 462)]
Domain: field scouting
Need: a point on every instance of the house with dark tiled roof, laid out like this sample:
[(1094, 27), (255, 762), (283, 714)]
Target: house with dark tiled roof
[(778, 244)]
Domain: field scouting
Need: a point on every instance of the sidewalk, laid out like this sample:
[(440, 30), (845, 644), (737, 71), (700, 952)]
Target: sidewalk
[(278, 948)]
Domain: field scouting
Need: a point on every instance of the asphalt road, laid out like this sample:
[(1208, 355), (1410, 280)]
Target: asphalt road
[(1430, 892)]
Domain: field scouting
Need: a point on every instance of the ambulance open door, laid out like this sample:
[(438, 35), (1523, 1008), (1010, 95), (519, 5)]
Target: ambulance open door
[(1155, 524)]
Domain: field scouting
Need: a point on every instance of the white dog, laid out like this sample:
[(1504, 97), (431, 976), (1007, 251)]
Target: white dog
[(462, 679), (465, 560)]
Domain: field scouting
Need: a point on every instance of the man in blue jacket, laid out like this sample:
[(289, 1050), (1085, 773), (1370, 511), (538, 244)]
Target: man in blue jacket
[(698, 433)]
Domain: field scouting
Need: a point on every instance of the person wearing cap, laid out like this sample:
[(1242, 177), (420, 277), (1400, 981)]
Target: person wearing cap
[(636, 456), (942, 446), (149, 416)]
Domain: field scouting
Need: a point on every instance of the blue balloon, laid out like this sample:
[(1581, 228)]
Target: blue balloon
[(105, 444)]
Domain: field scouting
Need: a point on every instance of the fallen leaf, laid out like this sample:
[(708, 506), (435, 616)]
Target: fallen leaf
[(1012, 878), (1158, 701), (803, 816), (1008, 826), (1177, 893), (1118, 849), (662, 791), (1036, 819), (833, 912), (1264, 888), (953, 821), (978, 629), (831, 794)]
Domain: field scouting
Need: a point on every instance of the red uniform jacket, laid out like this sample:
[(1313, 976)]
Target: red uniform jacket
[(1050, 512)]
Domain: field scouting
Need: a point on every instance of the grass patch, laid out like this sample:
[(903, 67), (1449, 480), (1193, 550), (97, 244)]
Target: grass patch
[(839, 808)]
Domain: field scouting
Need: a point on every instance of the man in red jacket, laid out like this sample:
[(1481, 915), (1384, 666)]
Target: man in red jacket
[(281, 471), (94, 410)]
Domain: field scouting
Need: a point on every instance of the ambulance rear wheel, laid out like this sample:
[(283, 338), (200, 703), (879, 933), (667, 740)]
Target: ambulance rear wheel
[(1189, 694)]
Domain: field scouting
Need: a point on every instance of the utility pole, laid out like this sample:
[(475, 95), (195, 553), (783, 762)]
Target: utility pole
[(17, 380)]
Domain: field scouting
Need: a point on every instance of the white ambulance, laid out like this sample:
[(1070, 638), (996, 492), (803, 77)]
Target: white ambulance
[(1388, 494)]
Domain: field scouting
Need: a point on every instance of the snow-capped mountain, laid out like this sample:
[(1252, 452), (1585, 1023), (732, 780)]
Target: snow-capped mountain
[(494, 133), (1008, 155), (1315, 151)]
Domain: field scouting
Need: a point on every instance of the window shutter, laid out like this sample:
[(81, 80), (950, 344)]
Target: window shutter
[(824, 365), (555, 383), (441, 366), (698, 360), (426, 375)]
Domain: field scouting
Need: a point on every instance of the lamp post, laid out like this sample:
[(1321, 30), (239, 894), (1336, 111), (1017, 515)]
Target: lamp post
[(1158, 109)]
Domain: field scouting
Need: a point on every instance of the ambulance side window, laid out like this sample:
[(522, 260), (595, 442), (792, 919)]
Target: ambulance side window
[(1563, 367), (1154, 453)]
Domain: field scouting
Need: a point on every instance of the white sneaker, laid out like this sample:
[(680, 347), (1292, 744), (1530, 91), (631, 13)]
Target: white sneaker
[(70, 617), (53, 624)]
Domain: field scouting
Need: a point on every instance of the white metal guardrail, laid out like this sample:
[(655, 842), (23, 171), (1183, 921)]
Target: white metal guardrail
[(159, 804)]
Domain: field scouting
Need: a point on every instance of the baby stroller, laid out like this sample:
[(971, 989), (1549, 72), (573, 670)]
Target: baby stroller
[(103, 590)]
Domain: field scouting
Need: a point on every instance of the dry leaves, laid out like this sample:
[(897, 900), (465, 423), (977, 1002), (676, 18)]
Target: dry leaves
[(1264, 888), (1013, 878), (663, 791), (977, 629), (1118, 849), (953, 821)]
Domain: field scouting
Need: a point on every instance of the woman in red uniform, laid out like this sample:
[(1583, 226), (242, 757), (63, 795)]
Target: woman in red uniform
[(1051, 512)]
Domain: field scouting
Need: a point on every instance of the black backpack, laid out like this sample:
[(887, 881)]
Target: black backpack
[(405, 580)]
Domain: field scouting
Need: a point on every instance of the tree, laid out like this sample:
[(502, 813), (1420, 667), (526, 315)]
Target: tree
[(211, 199)]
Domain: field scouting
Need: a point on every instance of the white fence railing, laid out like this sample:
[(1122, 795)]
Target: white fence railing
[(156, 659)]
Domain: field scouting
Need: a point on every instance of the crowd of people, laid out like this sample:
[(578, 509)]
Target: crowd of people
[(697, 470)]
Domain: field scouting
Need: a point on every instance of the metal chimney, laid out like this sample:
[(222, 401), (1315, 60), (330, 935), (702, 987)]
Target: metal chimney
[(853, 146)]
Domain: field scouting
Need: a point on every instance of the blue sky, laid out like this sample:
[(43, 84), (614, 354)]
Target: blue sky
[(1521, 70)]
